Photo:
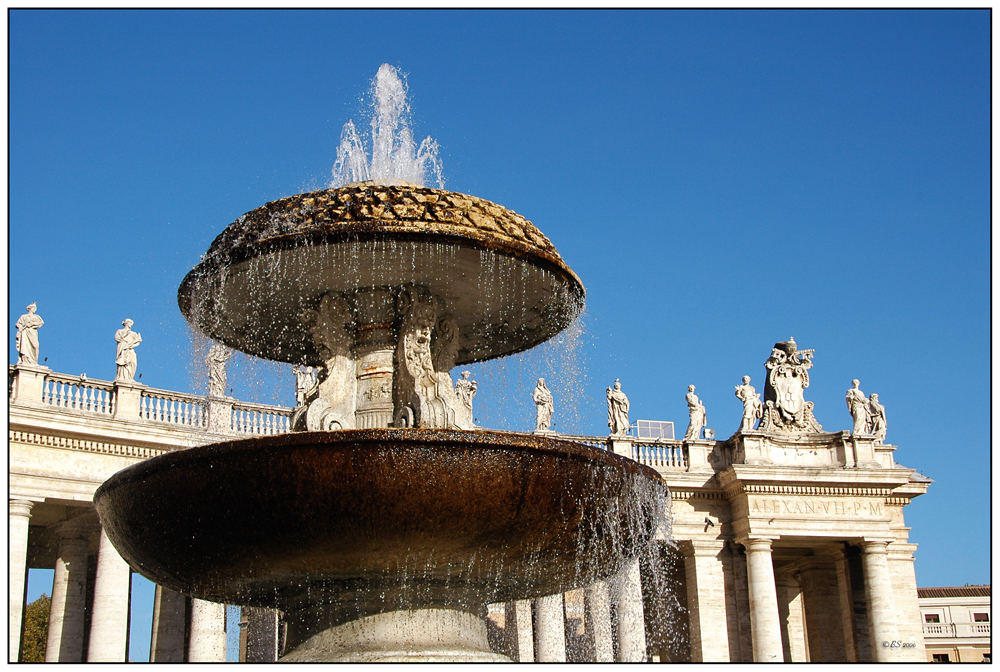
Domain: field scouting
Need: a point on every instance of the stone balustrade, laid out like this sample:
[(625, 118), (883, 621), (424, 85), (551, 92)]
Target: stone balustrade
[(661, 454), (260, 419), (145, 405), (191, 412), (76, 393), (175, 408), (957, 630)]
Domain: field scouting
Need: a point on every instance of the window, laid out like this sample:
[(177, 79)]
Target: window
[(981, 618), (940, 658), (932, 618)]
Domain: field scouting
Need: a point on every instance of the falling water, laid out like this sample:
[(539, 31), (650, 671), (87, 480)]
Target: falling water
[(394, 156)]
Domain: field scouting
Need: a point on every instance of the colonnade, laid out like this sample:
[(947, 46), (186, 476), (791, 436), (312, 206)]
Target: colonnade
[(811, 610), (535, 630), (175, 638)]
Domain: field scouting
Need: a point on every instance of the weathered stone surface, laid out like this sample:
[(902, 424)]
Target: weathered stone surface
[(276, 262)]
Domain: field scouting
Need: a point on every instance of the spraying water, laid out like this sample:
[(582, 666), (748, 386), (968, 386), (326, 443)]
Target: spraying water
[(394, 156)]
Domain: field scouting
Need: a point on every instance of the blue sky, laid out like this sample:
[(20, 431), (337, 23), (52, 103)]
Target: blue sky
[(720, 180)]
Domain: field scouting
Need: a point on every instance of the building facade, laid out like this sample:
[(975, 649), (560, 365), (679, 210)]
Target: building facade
[(785, 542), (956, 623)]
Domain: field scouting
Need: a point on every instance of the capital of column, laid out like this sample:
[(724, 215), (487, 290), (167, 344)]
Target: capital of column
[(21, 507), (870, 546), (701, 547), (756, 544)]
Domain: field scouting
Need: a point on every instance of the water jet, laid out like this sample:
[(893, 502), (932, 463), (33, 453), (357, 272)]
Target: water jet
[(386, 522)]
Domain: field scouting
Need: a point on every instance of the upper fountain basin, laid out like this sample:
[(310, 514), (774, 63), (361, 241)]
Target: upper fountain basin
[(495, 272)]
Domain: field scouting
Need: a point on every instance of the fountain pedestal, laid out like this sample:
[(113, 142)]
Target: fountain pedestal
[(411, 635)]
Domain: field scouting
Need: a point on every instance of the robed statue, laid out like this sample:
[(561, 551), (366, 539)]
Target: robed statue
[(26, 340), (617, 410)]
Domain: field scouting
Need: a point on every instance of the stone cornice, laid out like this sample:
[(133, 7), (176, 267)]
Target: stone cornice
[(98, 428), (680, 493), (82, 444), (736, 489)]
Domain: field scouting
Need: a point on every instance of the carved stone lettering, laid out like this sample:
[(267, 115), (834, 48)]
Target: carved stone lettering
[(819, 508)]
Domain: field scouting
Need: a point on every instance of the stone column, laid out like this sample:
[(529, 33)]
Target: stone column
[(109, 613), (17, 531), (706, 599), (597, 607), (846, 606), (824, 620), (550, 629), (626, 592), (765, 626), (878, 593), (909, 621), (790, 610), (69, 597), (169, 613), (518, 634), (207, 643)]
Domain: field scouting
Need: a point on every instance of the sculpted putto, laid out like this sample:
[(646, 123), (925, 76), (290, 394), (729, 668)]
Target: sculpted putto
[(617, 410), (753, 407), (125, 358), (26, 340), (544, 405), (696, 415)]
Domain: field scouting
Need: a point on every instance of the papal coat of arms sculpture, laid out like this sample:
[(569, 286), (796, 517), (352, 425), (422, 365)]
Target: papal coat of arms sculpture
[(785, 407)]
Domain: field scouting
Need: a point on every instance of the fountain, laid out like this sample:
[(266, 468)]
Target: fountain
[(385, 522)]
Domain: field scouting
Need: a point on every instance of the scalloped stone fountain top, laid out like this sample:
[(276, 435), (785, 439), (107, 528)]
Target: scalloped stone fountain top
[(493, 270)]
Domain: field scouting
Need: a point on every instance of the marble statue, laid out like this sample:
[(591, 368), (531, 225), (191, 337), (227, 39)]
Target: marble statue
[(877, 414), (696, 415), (543, 406), (617, 410), (305, 380), (125, 359), (857, 404), (465, 390), (753, 407), (785, 408), (26, 340), (216, 360), (428, 346), (330, 405)]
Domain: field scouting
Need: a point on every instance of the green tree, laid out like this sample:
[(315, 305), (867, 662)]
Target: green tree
[(36, 630)]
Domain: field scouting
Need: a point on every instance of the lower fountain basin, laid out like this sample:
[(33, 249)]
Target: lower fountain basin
[(371, 521)]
